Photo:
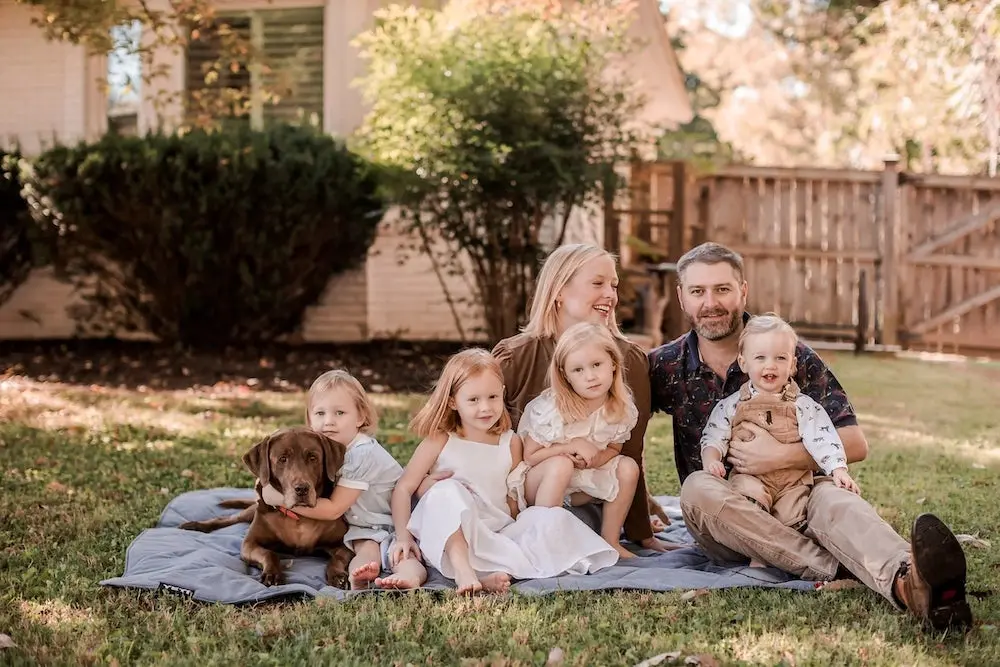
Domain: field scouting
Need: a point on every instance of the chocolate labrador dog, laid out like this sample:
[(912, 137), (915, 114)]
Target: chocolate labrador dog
[(304, 466)]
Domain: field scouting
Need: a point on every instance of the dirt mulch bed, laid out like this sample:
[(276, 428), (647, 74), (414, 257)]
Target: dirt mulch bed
[(381, 366)]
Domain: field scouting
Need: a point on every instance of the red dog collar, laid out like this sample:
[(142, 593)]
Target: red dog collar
[(287, 512)]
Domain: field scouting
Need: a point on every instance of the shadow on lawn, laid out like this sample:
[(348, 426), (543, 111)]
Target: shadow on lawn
[(383, 366)]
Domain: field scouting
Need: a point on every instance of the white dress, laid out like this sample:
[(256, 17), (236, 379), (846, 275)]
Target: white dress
[(543, 542), (542, 422)]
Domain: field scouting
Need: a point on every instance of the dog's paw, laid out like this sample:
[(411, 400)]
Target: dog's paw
[(194, 525), (338, 579), (272, 578)]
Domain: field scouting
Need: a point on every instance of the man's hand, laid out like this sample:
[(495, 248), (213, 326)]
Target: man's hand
[(656, 544), (764, 454)]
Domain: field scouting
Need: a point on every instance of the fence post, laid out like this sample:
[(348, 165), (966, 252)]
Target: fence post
[(678, 240), (892, 320)]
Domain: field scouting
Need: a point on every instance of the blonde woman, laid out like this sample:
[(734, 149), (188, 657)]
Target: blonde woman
[(579, 283)]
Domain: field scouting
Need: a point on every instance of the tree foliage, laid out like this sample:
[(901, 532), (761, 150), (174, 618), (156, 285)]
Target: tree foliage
[(843, 84), (494, 120)]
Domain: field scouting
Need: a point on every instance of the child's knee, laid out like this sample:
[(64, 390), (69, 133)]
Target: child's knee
[(560, 467), (628, 470)]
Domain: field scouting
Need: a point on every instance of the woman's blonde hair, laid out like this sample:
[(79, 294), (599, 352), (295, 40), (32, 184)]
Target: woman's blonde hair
[(439, 414), (339, 378), (767, 323), (559, 268), (571, 405)]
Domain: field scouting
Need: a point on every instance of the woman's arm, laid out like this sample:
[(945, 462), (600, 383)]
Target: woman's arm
[(611, 451)]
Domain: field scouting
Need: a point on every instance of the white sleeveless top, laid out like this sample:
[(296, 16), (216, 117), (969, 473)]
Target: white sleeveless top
[(480, 466)]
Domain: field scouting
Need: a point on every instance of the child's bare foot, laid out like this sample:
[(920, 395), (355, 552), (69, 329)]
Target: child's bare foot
[(396, 581), (364, 575), (468, 583), (496, 582), (623, 552), (757, 563)]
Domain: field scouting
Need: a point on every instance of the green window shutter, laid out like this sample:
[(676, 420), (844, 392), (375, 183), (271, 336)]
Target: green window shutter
[(216, 87), (292, 65)]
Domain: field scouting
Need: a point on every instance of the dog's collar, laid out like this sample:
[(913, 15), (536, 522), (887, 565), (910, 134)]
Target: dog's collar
[(287, 512)]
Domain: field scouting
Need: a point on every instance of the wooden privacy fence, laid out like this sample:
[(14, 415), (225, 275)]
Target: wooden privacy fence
[(885, 257)]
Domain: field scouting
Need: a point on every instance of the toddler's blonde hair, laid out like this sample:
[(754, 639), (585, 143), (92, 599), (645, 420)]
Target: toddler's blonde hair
[(765, 324), (342, 379), (438, 415), (571, 405)]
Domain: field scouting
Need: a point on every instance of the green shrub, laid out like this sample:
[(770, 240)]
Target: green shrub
[(208, 237), (16, 255)]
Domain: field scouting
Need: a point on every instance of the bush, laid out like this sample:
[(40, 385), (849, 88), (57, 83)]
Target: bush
[(208, 237), (16, 255)]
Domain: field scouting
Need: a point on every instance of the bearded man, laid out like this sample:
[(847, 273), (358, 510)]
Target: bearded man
[(843, 535)]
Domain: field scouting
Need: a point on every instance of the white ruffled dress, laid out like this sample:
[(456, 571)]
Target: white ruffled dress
[(543, 541), (542, 422)]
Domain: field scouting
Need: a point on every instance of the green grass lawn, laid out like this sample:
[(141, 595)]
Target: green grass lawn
[(85, 469)]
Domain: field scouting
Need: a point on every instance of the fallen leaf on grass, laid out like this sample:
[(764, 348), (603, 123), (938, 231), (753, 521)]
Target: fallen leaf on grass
[(973, 541), (556, 656), (659, 659), (6, 642), (56, 486), (840, 585), (691, 595)]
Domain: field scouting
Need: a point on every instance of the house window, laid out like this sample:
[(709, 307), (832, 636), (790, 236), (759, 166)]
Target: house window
[(124, 79), (279, 78)]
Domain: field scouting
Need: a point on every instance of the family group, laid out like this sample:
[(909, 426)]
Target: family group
[(556, 416)]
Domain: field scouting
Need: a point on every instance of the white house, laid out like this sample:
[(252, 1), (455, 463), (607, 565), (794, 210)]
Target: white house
[(54, 90)]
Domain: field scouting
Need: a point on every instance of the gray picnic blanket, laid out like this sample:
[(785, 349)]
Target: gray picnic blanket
[(207, 567)]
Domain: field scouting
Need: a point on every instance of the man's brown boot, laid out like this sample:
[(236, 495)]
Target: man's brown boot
[(932, 585)]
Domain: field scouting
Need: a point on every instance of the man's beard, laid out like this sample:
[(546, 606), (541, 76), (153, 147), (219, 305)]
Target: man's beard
[(717, 330)]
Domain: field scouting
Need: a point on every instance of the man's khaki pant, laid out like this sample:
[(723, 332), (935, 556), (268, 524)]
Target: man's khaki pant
[(842, 527)]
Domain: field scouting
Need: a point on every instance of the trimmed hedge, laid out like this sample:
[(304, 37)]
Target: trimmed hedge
[(206, 237), (16, 247)]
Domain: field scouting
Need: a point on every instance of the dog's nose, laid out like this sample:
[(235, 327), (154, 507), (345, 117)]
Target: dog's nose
[(301, 489)]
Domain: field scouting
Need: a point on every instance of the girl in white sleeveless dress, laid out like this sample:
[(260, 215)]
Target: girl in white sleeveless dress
[(573, 432), (464, 524)]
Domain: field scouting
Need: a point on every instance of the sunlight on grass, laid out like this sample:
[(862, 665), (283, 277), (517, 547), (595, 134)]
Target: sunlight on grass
[(979, 450), (58, 614)]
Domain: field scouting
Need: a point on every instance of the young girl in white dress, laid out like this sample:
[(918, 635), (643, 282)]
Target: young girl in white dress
[(338, 406), (464, 524), (584, 416)]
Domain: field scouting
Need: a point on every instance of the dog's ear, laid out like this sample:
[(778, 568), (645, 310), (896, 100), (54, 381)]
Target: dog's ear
[(333, 457), (258, 460)]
